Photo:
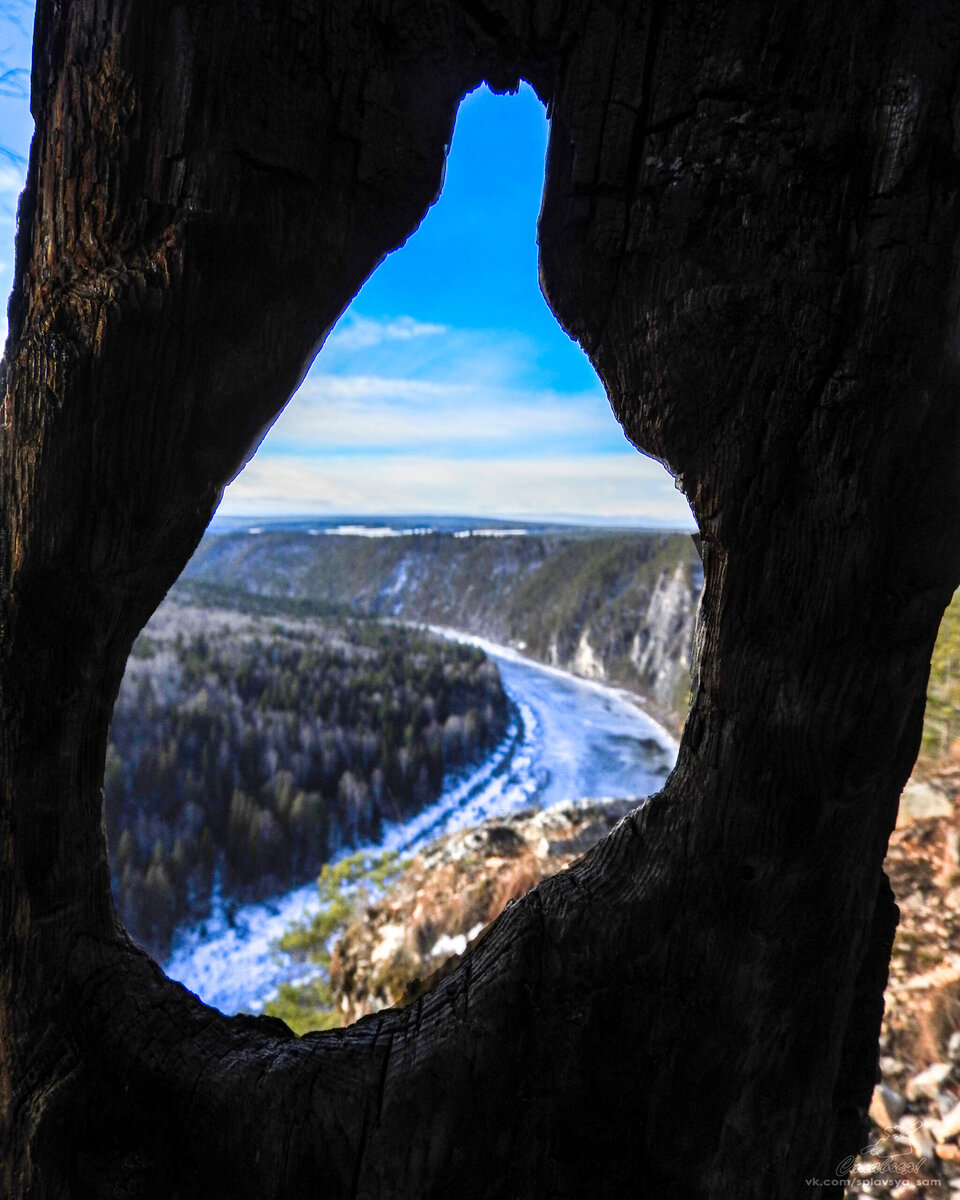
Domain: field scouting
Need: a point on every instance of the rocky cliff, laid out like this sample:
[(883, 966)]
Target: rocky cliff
[(614, 606), (397, 945)]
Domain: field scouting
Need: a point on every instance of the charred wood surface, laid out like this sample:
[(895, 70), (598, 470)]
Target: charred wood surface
[(750, 223)]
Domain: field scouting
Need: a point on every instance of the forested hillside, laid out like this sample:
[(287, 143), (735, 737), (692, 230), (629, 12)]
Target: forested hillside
[(255, 746), (604, 604)]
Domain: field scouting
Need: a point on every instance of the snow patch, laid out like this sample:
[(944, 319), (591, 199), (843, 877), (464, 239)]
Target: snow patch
[(449, 945), (491, 533)]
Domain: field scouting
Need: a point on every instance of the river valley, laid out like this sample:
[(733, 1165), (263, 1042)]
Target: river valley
[(568, 738)]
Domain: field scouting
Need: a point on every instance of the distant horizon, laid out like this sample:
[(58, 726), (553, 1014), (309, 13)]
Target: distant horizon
[(240, 520)]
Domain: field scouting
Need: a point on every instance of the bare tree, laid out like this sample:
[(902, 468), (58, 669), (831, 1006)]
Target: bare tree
[(750, 223)]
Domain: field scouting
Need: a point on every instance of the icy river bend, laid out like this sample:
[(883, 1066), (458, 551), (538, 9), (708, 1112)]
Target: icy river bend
[(569, 738)]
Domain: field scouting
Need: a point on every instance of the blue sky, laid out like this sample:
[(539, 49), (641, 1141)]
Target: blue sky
[(447, 387)]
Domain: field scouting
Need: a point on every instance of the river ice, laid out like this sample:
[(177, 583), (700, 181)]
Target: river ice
[(569, 739)]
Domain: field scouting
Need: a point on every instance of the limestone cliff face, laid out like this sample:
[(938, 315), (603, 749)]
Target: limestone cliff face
[(662, 646), (648, 647), (615, 607)]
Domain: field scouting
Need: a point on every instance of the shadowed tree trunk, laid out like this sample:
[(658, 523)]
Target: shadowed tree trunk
[(750, 223)]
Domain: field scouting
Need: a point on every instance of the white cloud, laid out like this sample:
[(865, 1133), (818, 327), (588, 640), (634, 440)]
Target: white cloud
[(12, 179), (404, 348), (320, 389), (332, 412), (419, 387), (626, 487), (360, 333), (405, 416)]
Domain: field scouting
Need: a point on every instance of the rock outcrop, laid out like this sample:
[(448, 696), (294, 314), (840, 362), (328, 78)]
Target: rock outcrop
[(915, 1112), (400, 945)]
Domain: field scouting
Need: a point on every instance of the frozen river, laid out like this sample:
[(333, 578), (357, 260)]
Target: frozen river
[(569, 738)]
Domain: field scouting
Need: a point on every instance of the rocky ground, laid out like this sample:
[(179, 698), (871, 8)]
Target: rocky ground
[(447, 895), (913, 1149)]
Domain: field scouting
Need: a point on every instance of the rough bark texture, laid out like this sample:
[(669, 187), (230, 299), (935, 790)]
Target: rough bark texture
[(750, 222)]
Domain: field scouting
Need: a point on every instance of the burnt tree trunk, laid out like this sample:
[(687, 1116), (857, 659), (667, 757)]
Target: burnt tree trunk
[(750, 223)]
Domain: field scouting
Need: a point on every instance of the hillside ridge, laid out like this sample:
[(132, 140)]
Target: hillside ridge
[(613, 606)]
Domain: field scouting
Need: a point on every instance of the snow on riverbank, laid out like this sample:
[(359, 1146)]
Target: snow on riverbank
[(510, 654), (570, 738)]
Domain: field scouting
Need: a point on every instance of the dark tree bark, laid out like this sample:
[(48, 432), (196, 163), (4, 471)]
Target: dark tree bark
[(750, 223)]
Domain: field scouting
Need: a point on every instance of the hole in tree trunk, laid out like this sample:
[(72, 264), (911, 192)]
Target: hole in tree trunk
[(270, 722)]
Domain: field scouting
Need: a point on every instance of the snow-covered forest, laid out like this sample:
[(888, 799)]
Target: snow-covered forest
[(248, 748)]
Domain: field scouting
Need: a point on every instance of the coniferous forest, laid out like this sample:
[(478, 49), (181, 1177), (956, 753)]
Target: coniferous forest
[(248, 747)]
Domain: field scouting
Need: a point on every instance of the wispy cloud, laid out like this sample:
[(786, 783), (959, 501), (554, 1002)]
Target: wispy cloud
[(411, 387), (360, 333), (15, 81), (17, 15), (400, 415), (624, 487), (377, 414), (352, 389), (12, 178), (405, 348)]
